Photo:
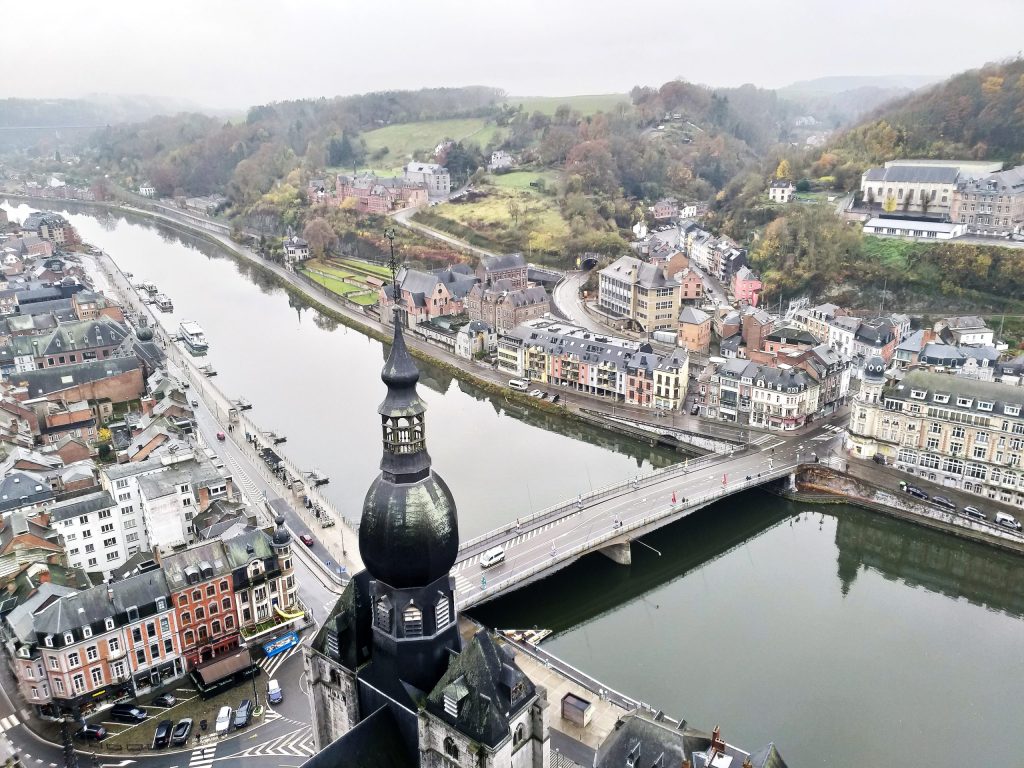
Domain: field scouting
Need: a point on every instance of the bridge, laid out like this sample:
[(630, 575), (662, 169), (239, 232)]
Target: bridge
[(609, 519)]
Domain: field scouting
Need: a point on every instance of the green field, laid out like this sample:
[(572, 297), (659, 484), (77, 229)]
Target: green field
[(521, 180), (365, 299), (339, 287), (405, 139), (585, 105), (365, 266)]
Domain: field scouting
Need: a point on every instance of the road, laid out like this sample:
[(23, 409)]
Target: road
[(404, 218), (545, 543), (566, 297)]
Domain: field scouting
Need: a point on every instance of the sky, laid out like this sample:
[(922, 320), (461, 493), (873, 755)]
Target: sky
[(234, 53)]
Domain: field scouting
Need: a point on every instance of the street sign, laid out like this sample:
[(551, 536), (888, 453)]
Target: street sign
[(280, 644)]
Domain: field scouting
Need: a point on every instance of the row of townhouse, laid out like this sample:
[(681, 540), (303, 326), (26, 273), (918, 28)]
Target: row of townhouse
[(777, 397), (721, 257), (959, 432), (74, 650), (555, 353)]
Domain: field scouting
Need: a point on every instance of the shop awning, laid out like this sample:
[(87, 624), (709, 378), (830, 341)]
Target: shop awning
[(224, 666)]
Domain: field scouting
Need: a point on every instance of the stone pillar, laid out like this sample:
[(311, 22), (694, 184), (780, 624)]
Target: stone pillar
[(792, 481), (619, 553)]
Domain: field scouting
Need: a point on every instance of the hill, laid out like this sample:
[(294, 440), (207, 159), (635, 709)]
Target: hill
[(976, 114)]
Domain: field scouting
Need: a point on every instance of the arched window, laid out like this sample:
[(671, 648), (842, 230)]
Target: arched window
[(229, 622), (450, 749), (383, 612), (186, 618), (216, 627), (213, 608), (520, 735), (189, 637), (412, 620), (202, 632), (200, 614)]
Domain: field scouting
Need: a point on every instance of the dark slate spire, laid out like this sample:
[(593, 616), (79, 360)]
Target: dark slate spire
[(408, 535)]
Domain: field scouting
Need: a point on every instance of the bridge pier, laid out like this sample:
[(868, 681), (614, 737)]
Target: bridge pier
[(619, 553), (792, 481)]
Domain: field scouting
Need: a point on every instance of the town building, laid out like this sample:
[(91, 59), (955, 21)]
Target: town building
[(263, 578), (694, 209), (553, 352), (992, 204), (424, 296), (667, 208), (746, 286), (694, 330), (955, 431), (201, 588), (390, 675), (770, 397), (919, 190), (914, 228), (295, 249), (964, 330), (147, 190), (26, 539), (475, 338), (639, 294), (51, 227), (435, 177), (509, 266), (380, 194), (503, 307), (500, 161), (691, 287), (781, 191)]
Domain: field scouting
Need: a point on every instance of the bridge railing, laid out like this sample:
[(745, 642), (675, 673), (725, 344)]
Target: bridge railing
[(600, 494), (563, 557)]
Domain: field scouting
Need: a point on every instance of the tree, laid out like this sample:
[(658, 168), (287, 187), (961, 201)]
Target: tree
[(320, 236), (890, 204), (783, 171), (803, 185), (514, 210)]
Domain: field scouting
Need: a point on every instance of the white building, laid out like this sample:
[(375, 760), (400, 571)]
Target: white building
[(434, 176), (500, 161), (95, 533), (928, 230), (781, 191)]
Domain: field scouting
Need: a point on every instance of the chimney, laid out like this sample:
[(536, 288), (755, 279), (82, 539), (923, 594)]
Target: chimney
[(110, 596)]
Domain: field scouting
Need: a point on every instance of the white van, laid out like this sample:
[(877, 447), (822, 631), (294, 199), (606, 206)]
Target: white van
[(492, 557), (520, 385), (1008, 521)]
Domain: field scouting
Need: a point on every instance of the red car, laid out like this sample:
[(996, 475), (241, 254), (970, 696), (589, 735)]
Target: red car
[(306, 539), (221, 436)]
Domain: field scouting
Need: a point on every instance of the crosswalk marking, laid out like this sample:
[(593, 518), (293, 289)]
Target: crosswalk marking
[(202, 756), (271, 665), (9, 722), (298, 743)]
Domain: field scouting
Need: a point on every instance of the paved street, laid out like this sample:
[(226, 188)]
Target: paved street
[(566, 297)]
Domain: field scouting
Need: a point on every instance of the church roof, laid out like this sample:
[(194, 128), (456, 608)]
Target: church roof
[(489, 689), (376, 742)]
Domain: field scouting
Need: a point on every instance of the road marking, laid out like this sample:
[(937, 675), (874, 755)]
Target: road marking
[(271, 665), (8, 722)]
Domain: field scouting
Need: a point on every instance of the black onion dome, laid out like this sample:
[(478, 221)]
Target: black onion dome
[(874, 369), (281, 536), (145, 333), (409, 532)]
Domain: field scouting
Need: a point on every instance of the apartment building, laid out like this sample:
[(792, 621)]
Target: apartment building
[(639, 293), (98, 536), (435, 177), (992, 203), (959, 432), (775, 397), (262, 575)]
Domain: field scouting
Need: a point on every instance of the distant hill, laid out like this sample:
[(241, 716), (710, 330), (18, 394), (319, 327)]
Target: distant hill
[(585, 105), (976, 114), (841, 83), (841, 100), (94, 110)]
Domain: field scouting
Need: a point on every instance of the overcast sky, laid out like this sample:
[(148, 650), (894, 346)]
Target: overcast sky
[(232, 54)]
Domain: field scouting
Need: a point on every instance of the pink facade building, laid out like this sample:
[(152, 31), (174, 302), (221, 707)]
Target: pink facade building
[(746, 286)]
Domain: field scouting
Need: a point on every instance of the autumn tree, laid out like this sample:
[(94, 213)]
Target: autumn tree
[(320, 236), (782, 171)]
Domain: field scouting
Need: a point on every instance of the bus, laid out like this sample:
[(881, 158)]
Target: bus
[(520, 385)]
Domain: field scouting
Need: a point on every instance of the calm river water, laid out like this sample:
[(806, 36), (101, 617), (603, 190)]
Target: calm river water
[(847, 638)]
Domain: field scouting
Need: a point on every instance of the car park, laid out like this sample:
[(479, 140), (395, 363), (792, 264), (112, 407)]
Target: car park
[(92, 733), (165, 700), (243, 714), (274, 693), (1008, 521), (127, 713), (179, 736), (223, 724), (975, 513), (162, 734), (306, 539), (942, 501)]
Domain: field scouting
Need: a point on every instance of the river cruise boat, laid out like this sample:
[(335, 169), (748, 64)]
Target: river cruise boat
[(149, 288), (193, 337), (163, 302)]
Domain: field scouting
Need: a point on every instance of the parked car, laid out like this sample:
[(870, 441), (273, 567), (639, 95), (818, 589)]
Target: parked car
[(162, 735), (274, 693), (181, 732), (695, 410), (306, 539), (974, 512), (243, 713), (195, 403), (223, 720), (536, 393), (1008, 521), (92, 733), (942, 501), (127, 713), (878, 459), (221, 436), (913, 490), (165, 700)]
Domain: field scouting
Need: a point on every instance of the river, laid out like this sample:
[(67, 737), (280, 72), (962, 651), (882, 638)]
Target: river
[(847, 638)]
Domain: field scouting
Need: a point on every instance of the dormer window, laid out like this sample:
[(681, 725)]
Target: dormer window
[(48, 641), (161, 604), (442, 612), (86, 631), (453, 696), (1012, 410), (68, 638), (940, 398), (984, 406), (964, 402), (109, 624), (918, 394), (133, 613)]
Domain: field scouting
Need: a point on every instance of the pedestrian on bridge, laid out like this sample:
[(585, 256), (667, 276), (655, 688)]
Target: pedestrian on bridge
[(725, 479), (673, 497)]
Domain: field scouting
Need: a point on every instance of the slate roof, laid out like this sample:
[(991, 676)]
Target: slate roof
[(692, 316), (525, 297), (236, 546), (486, 673), (21, 619), (913, 174), (1000, 183), (1000, 395), (45, 381), (84, 334), (775, 378), (95, 604), (966, 323), (376, 742), (422, 284), (502, 262), (768, 757), (565, 339), (22, 489), (913, 343), (180, 565), (792, 335), (647, 275), (877, 332), (674, 360), (81, 505)]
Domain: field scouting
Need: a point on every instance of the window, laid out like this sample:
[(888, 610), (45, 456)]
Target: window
[(200, 614), (450, 749), (111, 542), (140, 656), (78, 682), (211, 590), (154, 651), (133, 614), (73, 660), (226, 603), (197, 596), (213, 608), (86, 631), (136, 635), (932, 444), (131, 537), (48, 641), (91, 653), (106, 528), (216, 628), (53, 662), (104, 514), (229, 621), (980, 451), (113, 645), (977, 471), (161, 604), (97, 675), (958, 431), (84, 519), (58, 685), (90, 548), (168, 646), (151, 629), (224, 586), (412, 620)]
